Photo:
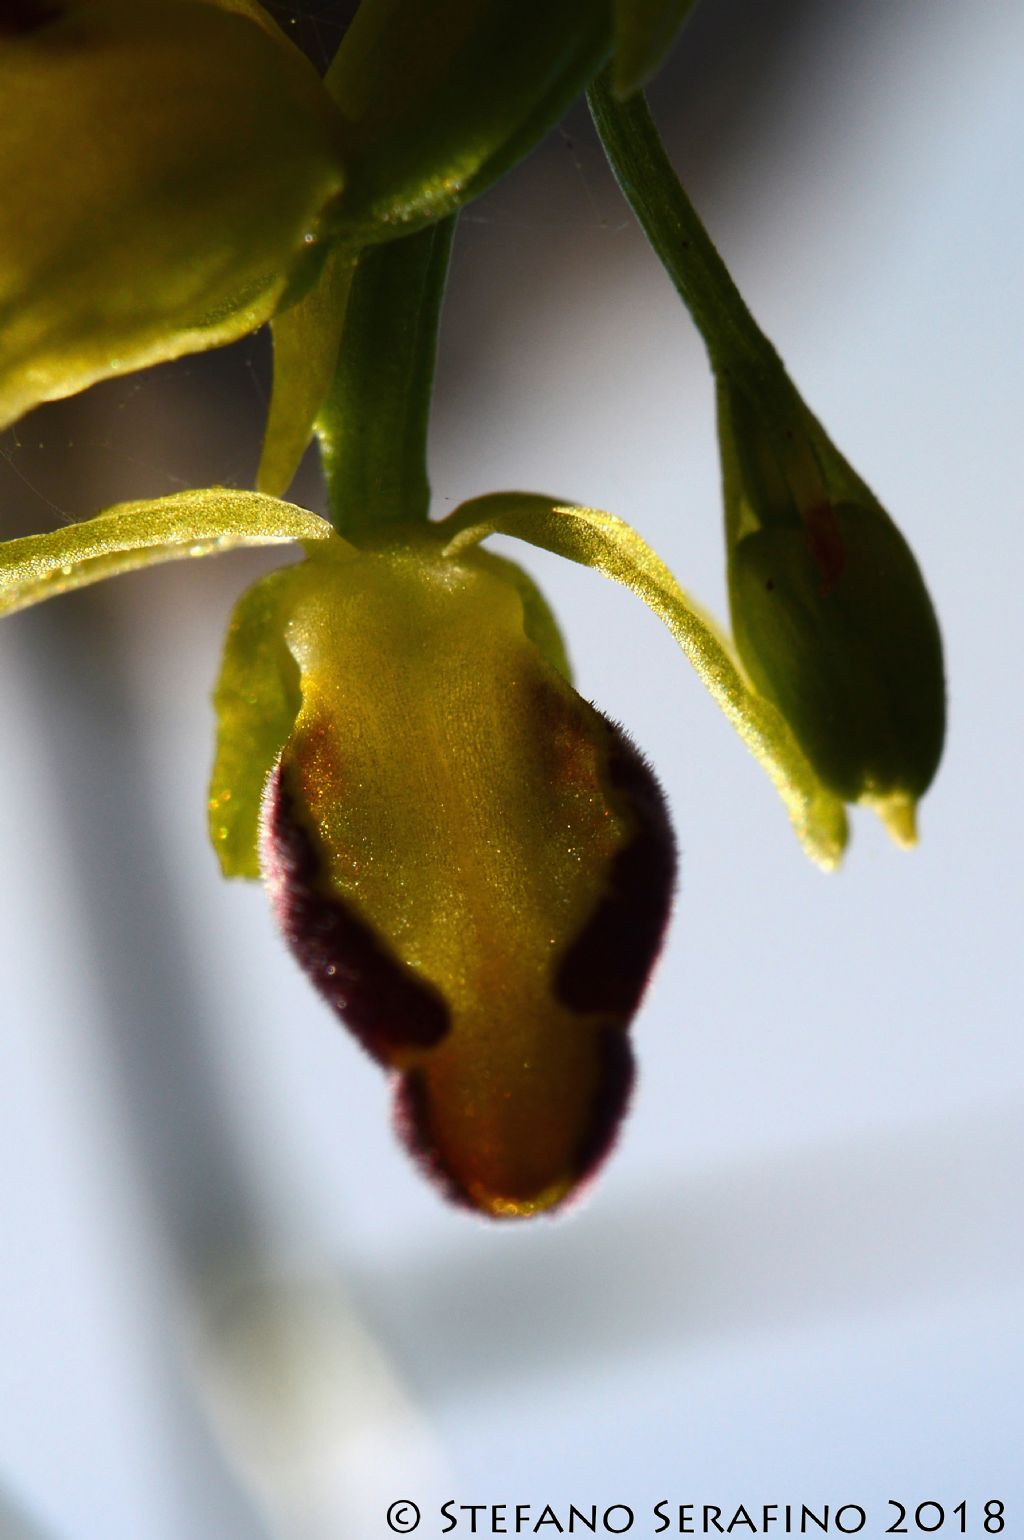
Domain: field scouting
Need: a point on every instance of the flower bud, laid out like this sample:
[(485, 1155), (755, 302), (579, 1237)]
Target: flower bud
[(472, 865), (441, 100), (831, 616), (834, 624)]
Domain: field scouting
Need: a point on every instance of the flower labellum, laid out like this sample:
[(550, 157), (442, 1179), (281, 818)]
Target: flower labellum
[(473, 866)]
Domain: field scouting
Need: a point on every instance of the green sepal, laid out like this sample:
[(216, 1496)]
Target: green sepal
[(599, 540), (167, 174), (644, 32), (443, 99), (777, 460), (256, 700), (133, 535), (539, 622)]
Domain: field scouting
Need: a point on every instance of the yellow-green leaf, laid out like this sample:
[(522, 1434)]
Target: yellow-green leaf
[(601, 541), (539, 621), (167, 173), (133, 535)]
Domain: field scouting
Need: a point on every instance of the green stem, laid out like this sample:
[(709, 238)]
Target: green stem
[(740, 353), (373, 424)]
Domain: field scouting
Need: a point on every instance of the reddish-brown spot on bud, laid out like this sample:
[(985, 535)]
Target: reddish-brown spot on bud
[(606, 967), (825, 543)]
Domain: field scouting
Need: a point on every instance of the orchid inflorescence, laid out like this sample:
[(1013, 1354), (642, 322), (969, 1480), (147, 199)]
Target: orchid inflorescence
[(483, 905)]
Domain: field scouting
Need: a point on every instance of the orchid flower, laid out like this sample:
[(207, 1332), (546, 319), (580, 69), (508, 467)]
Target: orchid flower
[(473, 865)]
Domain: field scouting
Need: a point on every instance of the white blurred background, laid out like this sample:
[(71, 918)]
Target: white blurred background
[(228, 1304)]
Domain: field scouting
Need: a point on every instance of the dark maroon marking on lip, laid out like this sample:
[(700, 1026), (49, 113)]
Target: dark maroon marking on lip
[(614, 1091), (607, 966), (412, 1125), (611, 1099), (376, 995), (19, 17)]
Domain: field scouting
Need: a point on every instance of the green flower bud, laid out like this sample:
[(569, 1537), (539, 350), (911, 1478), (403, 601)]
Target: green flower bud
[(831, 616), (167, 173), (442, 99)]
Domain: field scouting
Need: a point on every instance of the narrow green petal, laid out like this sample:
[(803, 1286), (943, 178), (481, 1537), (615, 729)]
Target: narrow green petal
[(257, 699), (601, 541), (168, 171), (306, 340), (644, 32), (140, 534)]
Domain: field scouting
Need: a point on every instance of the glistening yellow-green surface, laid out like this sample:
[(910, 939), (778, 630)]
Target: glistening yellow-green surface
[(455, 786), (133, 535)]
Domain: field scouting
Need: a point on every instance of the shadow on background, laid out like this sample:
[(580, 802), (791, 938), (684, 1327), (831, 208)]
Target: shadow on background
[(885, 1224)]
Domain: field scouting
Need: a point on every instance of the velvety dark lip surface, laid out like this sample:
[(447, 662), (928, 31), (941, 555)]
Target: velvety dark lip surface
[(355, 971)]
